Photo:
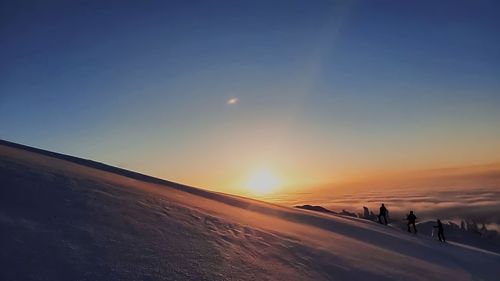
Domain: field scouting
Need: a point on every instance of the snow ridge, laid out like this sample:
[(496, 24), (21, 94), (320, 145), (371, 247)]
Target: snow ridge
[(66, 218)]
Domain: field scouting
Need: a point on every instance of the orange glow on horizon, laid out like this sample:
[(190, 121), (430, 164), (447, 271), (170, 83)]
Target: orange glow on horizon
[(263, 182)]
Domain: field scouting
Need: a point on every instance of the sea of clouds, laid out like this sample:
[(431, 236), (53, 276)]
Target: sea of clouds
[(481, 205)]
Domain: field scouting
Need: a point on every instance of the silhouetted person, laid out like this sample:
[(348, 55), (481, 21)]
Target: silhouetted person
[(439, 226), (411, 221), (383, 214)]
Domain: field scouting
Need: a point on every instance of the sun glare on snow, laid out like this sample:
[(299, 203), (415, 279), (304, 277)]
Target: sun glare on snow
[(232, 101), (262, 182)]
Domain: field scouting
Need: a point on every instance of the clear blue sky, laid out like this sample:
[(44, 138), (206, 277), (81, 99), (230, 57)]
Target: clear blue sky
[(324, 88)]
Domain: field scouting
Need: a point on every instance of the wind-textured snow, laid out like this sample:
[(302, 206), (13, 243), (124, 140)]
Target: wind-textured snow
[(64, 218)]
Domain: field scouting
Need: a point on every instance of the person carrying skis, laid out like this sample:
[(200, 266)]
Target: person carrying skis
[(411, 221), (439, 226), (383, 214)]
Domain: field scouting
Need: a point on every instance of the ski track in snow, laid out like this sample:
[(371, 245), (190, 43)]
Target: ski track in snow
[(64, 221)]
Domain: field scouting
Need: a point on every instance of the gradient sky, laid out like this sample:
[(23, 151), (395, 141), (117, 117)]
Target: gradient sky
[(326, 90)]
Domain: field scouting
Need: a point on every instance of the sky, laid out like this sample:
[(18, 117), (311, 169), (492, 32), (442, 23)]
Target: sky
[(213, 93)]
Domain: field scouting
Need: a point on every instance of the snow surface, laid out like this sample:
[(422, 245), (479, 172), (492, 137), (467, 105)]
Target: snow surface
[(64, 218)]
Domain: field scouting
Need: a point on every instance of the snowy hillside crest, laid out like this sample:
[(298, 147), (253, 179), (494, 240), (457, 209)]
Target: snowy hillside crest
[(65, 218)]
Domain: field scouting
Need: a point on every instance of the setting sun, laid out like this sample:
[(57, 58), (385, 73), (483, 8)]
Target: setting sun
[(262, 182)]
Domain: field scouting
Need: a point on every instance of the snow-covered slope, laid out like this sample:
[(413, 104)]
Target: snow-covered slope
[(64, 218)]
